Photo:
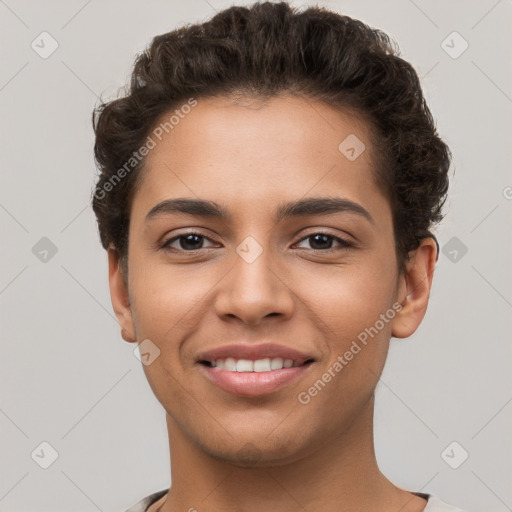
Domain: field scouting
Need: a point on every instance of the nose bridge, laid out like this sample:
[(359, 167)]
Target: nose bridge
[(253, 288)]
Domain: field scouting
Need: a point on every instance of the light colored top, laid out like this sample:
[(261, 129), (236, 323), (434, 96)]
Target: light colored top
[(434, 504)]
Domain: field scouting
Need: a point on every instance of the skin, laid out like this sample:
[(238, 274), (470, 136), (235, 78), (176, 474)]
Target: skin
[(235, 453)]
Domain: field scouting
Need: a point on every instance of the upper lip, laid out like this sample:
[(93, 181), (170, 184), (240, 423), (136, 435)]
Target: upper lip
[(254, 352)]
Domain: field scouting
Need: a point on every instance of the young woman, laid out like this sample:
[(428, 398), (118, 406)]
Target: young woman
[(267, 190)]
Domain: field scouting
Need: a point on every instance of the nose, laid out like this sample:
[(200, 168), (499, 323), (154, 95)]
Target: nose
[(254, 290)]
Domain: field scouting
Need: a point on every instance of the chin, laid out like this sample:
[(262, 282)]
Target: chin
[(258, 453)]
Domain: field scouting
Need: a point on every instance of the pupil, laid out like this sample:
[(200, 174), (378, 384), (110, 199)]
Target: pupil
[(186, 239), (190, 241), (321, 237)]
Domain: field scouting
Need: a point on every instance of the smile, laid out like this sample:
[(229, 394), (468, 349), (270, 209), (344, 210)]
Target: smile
[(260, 365), (245, 377)]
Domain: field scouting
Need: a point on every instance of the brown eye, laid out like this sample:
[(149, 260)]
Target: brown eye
[(324, 242), (186, 242)]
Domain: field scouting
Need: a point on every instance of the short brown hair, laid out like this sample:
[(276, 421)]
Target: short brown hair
[(262, 51)]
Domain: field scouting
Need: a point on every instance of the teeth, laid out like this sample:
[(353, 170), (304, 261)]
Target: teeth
[(244, 365), (277, 363), (229, 364), (260, 365)]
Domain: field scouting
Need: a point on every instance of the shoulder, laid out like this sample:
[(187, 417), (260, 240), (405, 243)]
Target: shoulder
[(435, 504), (144, 503)]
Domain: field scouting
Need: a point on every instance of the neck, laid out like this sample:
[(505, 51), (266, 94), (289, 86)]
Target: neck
[(340, 474)]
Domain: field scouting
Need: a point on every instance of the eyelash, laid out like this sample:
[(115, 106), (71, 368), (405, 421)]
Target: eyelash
[(345, 244)]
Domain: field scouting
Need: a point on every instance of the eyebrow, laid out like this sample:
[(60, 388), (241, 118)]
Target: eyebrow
[(308, 206)]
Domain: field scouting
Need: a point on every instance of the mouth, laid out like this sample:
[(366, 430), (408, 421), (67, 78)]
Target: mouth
[(252, 378), (266, 364), (254, 369)]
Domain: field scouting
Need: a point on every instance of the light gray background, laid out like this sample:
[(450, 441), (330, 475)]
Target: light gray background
[(67, 377)]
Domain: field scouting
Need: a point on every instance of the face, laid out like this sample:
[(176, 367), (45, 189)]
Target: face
[(312, 281)]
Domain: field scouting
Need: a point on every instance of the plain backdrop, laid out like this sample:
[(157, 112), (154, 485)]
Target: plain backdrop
[(68, 380)]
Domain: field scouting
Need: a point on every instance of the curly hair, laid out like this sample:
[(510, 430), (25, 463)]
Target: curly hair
[(262, 51)]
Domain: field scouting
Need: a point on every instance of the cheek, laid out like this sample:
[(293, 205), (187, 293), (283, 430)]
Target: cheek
[(347, 298), (348, 313), (340, 300), (352, 307), (166, 299)]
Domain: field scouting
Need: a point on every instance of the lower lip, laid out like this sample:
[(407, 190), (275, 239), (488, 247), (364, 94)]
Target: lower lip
[(253, 383)]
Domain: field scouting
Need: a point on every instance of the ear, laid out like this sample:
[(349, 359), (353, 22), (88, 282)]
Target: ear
[(414, 288), (119, 296)]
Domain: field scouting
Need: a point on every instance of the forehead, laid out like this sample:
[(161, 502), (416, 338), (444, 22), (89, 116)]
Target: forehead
[(258, 153)]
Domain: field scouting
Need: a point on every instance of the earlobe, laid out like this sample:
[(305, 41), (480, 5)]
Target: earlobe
[(414, 289), (128, 336), (119, 296)]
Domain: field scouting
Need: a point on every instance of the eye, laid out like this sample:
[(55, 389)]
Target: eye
[(193, 241), (186, 242), (323, 242)]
